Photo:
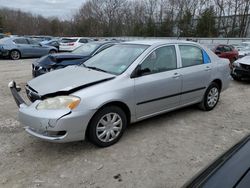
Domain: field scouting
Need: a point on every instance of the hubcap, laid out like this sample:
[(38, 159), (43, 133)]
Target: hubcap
[(213, 96), (109, 127), (15, 55)]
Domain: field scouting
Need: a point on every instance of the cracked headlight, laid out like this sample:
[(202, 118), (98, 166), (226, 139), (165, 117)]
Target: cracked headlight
[(236, 64), (60, 102)]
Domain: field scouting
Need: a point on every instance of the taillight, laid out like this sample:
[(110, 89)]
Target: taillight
[(71, 44)]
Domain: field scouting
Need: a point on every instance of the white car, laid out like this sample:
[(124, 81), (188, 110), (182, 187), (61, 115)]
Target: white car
[(71, 43), (244, 52)]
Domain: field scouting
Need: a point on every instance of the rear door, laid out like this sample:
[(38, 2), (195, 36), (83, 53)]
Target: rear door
[(196, 68), (159, 88), (37, 49)]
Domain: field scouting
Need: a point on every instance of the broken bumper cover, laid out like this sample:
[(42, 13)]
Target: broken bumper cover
[(241, 72), (61, 125)]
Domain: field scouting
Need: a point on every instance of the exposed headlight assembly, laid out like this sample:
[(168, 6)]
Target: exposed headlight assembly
[(60, 102), (236, 64)]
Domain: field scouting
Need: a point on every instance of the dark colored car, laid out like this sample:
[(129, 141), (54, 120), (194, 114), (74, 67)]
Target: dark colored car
[(241, 68), (60, 60), (225, 51), (52, 42), (232, 169)]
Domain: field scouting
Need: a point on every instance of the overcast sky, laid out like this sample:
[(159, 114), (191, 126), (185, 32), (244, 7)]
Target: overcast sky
[(63, 9)]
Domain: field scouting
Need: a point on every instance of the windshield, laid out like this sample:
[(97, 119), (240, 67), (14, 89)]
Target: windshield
[(86, 49), (67, 40), (116, 59)]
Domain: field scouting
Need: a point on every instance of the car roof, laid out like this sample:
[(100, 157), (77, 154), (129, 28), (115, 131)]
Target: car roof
[(104, 42), (159, 42)]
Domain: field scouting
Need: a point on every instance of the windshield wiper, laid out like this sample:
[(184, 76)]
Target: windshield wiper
[(95, 68)]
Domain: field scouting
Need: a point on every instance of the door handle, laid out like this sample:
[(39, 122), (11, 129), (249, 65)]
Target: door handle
[(176, 75), (208, 68)]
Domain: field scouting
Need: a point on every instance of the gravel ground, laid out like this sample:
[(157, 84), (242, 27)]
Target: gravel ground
[(164, 151)]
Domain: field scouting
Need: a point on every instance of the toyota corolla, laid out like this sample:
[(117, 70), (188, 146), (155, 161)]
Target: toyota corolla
[(124, 84)]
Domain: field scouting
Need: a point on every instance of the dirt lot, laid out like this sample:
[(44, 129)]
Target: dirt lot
[(164, 151)]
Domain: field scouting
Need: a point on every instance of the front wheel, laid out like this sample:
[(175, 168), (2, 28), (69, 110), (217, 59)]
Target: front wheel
[(211, 97), (107, 126), (15, 55)]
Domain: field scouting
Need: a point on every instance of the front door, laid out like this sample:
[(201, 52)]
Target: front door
[(158, 88)]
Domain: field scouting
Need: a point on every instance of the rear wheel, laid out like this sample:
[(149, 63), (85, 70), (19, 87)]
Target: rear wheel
[(15, 55), (211, 97), (107, 126), (52, 51)]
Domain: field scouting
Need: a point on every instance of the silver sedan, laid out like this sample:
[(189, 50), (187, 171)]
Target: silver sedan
[(123, 84)]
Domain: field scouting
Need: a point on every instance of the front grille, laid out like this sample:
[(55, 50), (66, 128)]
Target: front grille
[(247, 67), (32, 94)]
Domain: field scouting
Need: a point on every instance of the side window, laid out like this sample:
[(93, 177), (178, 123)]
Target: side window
[(32, 41), (191, 55), (227, 49), (160, 60), (206, 57), (83, 41), (20, 41)]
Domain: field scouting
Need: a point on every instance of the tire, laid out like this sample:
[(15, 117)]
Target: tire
[(101, 129), (236, 78), (15, 55), (52, 51), (212, 92)]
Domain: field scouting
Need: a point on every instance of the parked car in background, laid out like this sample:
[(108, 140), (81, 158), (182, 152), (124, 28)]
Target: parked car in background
[(70, 44), (18, 47), (125, 83), (225, 51), (52, 42), (41, 38), (2, 35), (244, 52), (241, 68), (232, 169), (62, 60)]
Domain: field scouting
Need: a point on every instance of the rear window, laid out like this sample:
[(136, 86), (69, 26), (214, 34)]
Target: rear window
[(68, 40)]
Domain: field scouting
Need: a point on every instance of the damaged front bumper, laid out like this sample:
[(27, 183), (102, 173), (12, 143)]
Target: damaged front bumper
[(61, 125)]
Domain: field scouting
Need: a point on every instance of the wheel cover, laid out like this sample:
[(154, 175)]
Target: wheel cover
[(109, 127), (15, 55), (213, 97)]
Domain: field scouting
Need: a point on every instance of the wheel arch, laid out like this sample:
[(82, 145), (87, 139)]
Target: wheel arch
[(120, 104), (218, 82), (15, 49)]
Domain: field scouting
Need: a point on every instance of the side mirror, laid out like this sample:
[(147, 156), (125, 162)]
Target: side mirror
[(40, 44), (140, 72)]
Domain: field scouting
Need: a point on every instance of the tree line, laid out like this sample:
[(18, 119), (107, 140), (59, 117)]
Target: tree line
[(158, 18)]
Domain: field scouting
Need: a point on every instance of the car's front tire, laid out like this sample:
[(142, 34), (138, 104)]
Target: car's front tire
[(15, 55), (107, 126), (211, 97)]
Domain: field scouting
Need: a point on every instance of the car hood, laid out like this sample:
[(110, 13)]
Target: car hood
[(51, 59), (245, 60), (65, 56), (66, 81)]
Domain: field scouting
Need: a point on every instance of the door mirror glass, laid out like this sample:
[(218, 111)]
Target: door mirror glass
[(140, 72)]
